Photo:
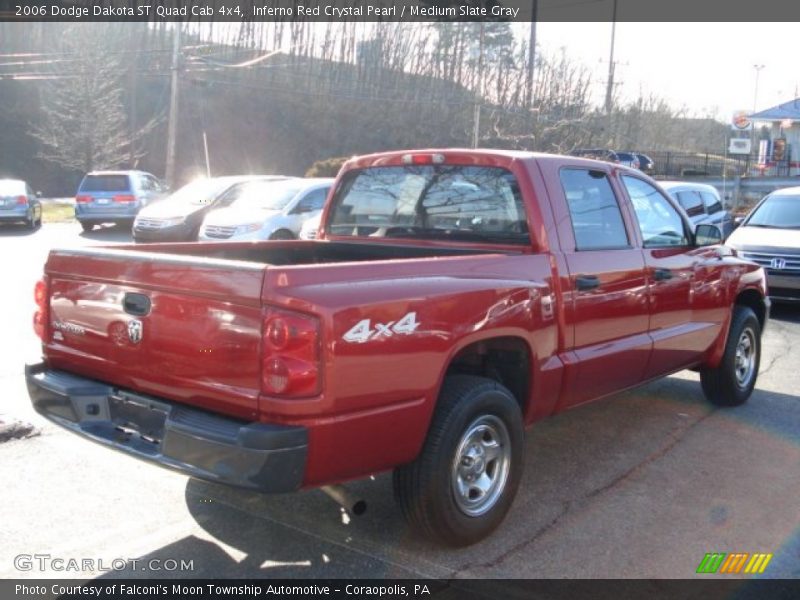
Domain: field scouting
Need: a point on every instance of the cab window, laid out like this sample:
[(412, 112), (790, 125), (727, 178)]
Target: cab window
[(659, 222), (596, 217)]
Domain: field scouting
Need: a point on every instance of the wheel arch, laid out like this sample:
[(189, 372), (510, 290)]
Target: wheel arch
[(505, 357), (751, 297)]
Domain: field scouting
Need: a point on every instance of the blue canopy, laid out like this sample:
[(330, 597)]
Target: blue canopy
[(787, 110)]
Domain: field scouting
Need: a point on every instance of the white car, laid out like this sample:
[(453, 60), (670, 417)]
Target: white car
[(268, 210), (310, 228)]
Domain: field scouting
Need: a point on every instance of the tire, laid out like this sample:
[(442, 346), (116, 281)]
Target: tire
[(282, 234), (87, 227), (732, 382), (437, 493), (30, 224)]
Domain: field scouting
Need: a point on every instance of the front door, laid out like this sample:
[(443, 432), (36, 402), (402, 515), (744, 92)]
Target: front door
[(684, 286)]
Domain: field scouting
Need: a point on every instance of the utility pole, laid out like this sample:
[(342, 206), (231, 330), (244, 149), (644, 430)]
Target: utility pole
[(531, 56), (476, 118), (610, 84), (173, 106), (755, 107)]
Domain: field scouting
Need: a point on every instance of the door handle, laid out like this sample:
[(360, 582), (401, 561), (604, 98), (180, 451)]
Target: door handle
[(586, 282), (662, 274)]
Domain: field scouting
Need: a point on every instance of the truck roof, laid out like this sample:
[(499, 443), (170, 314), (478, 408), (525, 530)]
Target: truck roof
[(489, 154)]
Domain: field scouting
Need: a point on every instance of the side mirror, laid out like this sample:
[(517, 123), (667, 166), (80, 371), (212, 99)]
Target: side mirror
[(707, 235), (737, 221)]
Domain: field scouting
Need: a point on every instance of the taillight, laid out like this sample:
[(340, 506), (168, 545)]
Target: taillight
[(124, 198), (83, 199), (40, 317), (22, 200), (291, 355)]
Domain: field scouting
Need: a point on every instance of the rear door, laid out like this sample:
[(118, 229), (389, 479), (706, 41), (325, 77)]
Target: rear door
[(605, 293), (692, 204), (716, 214)]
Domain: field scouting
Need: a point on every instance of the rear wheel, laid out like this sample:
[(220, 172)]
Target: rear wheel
[(733, 380), (87, 226), (462, 484), (282, 234)]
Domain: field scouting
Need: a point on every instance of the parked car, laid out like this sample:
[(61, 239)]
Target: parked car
[(770, 237), (629, 159), (452, 300), (597, 154), (702, 203), (310, 227), (178, 217), (646, 164), (272, 210), (19, 204), (115, 196)]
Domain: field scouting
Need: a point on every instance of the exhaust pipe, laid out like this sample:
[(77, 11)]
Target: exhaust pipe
[(337, 493)]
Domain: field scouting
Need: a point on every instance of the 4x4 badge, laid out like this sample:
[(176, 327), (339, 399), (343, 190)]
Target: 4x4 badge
[(135, 331)]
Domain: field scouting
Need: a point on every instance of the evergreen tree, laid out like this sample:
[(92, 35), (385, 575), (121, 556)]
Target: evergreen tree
[(83, 124)]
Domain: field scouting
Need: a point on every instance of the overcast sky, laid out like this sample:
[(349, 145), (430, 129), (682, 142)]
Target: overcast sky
[(708, 67)]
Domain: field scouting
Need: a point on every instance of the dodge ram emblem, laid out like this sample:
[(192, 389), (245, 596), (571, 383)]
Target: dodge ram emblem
[(135, 331)]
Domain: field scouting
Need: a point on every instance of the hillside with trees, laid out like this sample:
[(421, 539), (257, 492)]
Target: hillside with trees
[(96, 95)]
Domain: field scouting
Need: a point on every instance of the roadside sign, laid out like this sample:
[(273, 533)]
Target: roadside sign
[(739, 146), (741, 121)]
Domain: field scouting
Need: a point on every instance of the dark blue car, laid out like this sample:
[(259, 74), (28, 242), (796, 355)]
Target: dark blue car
[(19, 204)]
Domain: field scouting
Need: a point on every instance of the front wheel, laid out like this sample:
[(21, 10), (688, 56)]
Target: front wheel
[(87, 227), (733, 380), (462, 484)]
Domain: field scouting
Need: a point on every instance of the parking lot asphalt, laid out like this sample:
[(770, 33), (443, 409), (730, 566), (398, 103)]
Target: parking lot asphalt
[(642, 484)]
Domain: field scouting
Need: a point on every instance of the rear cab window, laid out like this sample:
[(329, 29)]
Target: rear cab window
[(446, 202), (105, 183)]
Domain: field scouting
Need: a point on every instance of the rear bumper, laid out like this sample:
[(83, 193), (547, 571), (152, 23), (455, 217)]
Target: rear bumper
[(14, 214), (257, 456), (95, 215), (783, 287)]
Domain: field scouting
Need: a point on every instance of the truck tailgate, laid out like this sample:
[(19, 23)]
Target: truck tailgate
[(178, 327)]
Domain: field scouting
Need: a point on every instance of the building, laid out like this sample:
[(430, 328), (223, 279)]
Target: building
[(780, 154)]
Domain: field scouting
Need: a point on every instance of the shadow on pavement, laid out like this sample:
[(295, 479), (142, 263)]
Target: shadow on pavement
[(109, 233), (577, 463), (16, 230)]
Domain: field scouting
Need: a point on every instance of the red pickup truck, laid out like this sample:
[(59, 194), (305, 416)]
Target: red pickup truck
[(453, 298)]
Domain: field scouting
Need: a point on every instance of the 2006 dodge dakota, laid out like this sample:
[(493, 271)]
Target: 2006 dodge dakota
[(452, 299)]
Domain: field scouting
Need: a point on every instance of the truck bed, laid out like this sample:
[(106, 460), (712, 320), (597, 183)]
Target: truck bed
[(201, 336)]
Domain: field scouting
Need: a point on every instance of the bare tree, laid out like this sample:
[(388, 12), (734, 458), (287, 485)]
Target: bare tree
[(83, 123)]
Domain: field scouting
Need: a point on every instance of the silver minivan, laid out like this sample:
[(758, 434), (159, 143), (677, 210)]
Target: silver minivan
[(270, 210), (115, 196), (702, 203)]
